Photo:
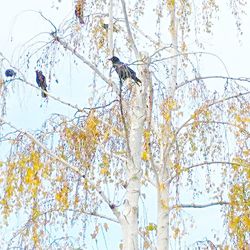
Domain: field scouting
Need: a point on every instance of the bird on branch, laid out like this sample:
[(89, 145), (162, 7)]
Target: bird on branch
[(41, 82), (123, 70), (10, 73)]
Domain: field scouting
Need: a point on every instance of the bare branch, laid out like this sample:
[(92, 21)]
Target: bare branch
[(45, 18), (94, 68), (219, 203), (194, 53), (242, 79), (74, 106), (228, 98), (128, 28), (53, 97)]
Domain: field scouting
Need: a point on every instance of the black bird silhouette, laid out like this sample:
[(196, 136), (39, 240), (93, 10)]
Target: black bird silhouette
[(123, 70), (41, 82), (10, 73)]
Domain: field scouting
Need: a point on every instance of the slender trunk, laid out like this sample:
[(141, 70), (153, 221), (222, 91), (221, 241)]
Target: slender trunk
[(130, 212), (163, 187), (137, 114), (163, 216)]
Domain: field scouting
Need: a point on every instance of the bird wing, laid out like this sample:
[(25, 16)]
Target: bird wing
[(132, 72), (42, 81), (124, 71), (38, 80)]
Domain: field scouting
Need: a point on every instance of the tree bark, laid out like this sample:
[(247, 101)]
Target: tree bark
[(137, 116), (163, 186), (163, 216)]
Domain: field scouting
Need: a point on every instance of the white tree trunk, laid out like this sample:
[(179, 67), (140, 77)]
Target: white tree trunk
[(130, 213), (137, 114), (163, 219), (163, 188)]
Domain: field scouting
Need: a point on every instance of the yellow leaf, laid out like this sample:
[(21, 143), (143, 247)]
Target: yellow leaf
[(167, 116), (105, 160), (246, 221), (162, 187), (177, 168), (234, 223), (164, 204), (146, 135), (151, 227), (176, 232), (106, 226), (104, 171), (106, 136), (144, 156)]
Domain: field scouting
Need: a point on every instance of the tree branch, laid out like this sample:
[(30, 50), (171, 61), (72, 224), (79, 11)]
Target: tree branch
[(49, 152), (220, 203), (94, 68), (128, 29), (66, 164), (186, 123), (242, 79), (194, 53), (185, 169)]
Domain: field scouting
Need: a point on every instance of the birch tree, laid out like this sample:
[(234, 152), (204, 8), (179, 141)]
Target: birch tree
[(82, 176)]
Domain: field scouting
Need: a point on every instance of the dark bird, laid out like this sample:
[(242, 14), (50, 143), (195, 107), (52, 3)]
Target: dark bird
[(10, 73), (123, 70), (41, 82)]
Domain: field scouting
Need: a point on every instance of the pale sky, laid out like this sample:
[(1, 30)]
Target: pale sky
[(23, 103)]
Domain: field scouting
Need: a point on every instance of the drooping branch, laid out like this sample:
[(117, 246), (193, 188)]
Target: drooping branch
[(186, 169), (85, 61), (212, 122), (213, 102), (228, 98), (31, 220), (65, 163), (48, 151), (180, 54), (241, 79)]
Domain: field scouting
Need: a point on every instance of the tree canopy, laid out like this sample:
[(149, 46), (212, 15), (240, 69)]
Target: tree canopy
[(121, 163)]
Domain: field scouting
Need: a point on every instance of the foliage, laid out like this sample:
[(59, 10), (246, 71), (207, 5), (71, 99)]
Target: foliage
[(73, 175)]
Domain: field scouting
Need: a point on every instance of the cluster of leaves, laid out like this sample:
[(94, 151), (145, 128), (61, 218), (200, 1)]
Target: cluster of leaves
[(238, 216)]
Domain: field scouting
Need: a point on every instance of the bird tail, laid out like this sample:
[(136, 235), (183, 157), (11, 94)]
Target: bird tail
[(44, 95), (137, 80)]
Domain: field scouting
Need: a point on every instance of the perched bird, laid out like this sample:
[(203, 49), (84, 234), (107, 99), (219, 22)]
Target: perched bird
[(10, 73), (123, 70), (79, 8), (41, 82)]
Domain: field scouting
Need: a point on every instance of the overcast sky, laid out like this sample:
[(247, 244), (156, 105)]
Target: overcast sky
[(24, 104)]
